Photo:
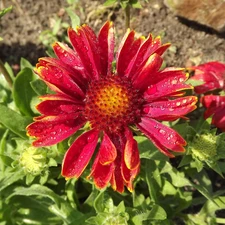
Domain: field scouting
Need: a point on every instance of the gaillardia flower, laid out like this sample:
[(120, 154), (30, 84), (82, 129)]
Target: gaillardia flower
[(88, 90)]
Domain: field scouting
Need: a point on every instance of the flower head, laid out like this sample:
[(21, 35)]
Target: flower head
[(212, 74), (87, 90), (33, 160)]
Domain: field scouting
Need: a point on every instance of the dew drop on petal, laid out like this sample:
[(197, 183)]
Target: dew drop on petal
[(151, 89), (161, 131), (91, 138), (181, 79)]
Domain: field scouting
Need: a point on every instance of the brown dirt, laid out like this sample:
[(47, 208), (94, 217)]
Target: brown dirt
[(191, 43)]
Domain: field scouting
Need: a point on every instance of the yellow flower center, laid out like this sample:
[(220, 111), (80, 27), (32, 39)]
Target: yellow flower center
[(112, 103)]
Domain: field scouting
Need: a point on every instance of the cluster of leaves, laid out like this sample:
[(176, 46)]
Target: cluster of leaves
[(32, 191), (124, 3)]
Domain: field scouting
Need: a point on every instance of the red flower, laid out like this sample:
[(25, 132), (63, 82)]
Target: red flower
[(87, 89), (215, 105), (212, 74)]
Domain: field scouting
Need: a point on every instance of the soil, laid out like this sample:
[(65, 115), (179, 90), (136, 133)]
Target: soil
[(21, 28)]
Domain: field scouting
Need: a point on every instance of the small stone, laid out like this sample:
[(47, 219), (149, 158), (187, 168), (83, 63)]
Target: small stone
[(206, 12)]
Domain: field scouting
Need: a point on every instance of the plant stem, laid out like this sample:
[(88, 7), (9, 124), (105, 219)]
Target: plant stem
[(5, 73), (127, 16)]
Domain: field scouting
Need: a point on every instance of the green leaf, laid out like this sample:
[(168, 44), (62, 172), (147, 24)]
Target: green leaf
[(39, 87), (110, 2), (153, 179), (75, 19), (4, 11), (14, 121), (56, 27), (135, 4), (156, 213), (103, 203), (2, 150), (194, 82), (61, 208), (22, 91), (148, 150), (25, 64), (10, 178), (39, 190)]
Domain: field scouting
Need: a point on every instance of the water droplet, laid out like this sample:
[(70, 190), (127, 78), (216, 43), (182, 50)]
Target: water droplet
[(178, 104), (91, 138), (174, 82), (152, 90), (161, 131), (162, 107), (171, 109), (181, 79), (185, 100)]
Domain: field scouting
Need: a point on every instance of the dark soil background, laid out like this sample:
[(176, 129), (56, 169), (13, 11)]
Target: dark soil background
[(191, 43)]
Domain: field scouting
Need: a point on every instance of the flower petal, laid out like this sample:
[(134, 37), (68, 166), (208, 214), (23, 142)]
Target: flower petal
[(162, 136), (49, 131), (106, 44), (168, 82), (126, 51), (131, 153), (213, 103), (79, 154), (101, 174), (149, 68), (85, 43), (212, 74), (59, 80), (107, 151), (55, 107), (146, 49), (67, 55), (169, 110), (75, 72)]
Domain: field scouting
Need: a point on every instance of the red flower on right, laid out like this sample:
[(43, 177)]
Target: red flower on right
[(213, 76)]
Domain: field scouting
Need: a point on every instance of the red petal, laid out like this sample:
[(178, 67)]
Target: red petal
[(56, 107), (212, 74), (168, 110), (101, 174), (58, 80), (150, 67), (50, 131), (67, 55), (86, 45), (75, 72), (219, 119), (162, 136), (79, 154), (117, 181), (131, 153), (107, 151), (106, 44), (126, 51), (213, 103), (146, 49), (166, 83)]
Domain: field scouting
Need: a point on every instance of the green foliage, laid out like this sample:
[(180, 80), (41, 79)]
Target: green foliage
[(124, 3), (4, 11)]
